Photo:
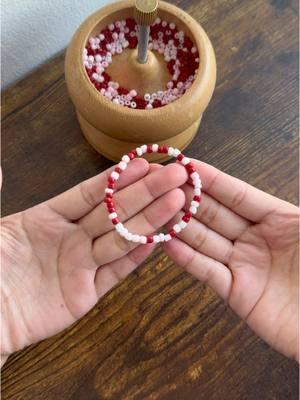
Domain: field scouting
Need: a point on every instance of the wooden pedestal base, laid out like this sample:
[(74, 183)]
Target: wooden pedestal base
[(114, 149)]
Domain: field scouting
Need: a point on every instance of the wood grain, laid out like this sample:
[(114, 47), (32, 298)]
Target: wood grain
[(161, 334)]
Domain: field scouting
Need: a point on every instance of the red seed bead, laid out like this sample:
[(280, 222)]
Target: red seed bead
[(149, 239), (111, 179), (111, 209), (197, 198), (172, 233), (118, 170), (149, 149), (108, 200), (165, 149), (190, 168), (131, 155), (180, 157), (160, 149), (115, 221), (134, 152), (111, 185), (109, 195), (186, 218)]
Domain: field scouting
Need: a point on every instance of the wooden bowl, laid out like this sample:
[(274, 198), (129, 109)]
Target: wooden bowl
[(114, 130)]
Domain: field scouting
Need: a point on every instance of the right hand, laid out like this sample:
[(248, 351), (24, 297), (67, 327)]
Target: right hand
[(244, 243)]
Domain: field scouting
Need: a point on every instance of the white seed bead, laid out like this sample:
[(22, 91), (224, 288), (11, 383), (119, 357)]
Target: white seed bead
[(115, 175), (119, 227), (113, 215), (162, 237), (147, 96), (193, 210), (122, 165), (144, 148), (182, 224), (170, 151), (124, 231), (133, 93), (139, 151), (168, 237), (156, 239), (136, 238), (195, 203), (154, 148), (194, 175), (177, 228), (128, 236), (197, 185), (185, 160), (197, 192), (143, 239), (176, 152), (126, 159), (108, 190)]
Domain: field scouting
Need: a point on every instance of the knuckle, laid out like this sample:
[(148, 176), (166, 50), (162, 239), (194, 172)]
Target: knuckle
[(239, 196), (87, 195), (200, 238), (211, 212)]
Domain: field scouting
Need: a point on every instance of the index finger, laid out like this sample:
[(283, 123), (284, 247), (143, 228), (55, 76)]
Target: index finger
[(237, 195)]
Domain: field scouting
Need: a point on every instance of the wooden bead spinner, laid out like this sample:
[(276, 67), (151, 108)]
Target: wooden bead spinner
[(112, 129)]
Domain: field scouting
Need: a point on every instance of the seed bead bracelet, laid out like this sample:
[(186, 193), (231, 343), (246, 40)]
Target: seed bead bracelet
[(115, 175)]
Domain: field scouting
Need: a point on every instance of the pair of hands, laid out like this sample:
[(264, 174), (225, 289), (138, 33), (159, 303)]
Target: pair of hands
[(61, 256)]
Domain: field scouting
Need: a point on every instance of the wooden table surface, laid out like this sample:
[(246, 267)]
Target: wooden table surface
[(161, 334)]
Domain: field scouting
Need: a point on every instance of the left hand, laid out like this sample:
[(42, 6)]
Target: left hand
[(61, 256)]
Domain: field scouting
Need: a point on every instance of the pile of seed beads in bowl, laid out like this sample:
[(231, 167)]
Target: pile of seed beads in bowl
[(180, 54)]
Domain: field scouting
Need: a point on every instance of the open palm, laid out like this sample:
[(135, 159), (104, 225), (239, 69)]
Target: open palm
[(244, 244), (59, 257)]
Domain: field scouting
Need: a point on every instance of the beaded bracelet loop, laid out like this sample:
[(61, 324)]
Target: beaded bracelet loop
[(115, 175)]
